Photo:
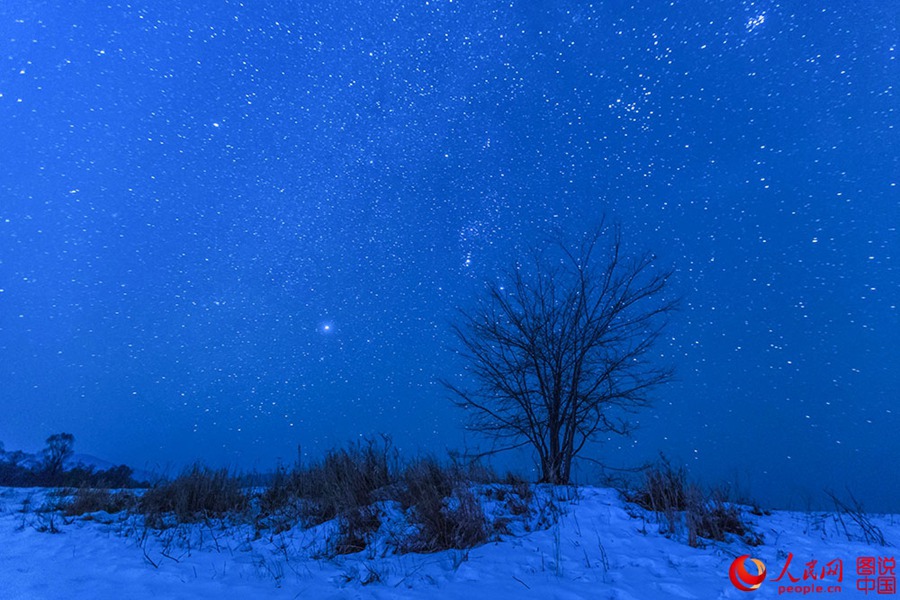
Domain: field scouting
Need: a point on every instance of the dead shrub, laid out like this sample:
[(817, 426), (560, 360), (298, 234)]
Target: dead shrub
[(520, 499), (197, 494), (425, 479), (712, 517), (442, 506), (856, 515), (355, 529), (663, 490), (278, 493), (344, 480), (682, 505), (90, 500)]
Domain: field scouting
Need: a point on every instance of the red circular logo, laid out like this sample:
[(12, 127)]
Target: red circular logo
[(741, 577)]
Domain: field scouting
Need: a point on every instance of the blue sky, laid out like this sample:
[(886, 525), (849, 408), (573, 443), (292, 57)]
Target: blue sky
[(228, 229)]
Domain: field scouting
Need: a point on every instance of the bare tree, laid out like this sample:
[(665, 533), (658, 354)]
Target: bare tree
[(59, 449), (560, 353)]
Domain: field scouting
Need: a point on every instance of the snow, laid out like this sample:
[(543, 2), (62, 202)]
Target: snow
[(599, 547)]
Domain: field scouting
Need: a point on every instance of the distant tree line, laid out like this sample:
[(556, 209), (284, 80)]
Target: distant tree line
[(48, 469)]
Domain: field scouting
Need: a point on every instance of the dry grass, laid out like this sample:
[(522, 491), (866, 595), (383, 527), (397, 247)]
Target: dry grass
[(682, 505), (355, 530), (90, 500), (348, 483), (446, 512), (198, 493), (856, 514), (356, 487), (712, 517), (344, 480)]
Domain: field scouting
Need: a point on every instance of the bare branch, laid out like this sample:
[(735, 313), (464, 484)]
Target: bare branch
[(560, 353)]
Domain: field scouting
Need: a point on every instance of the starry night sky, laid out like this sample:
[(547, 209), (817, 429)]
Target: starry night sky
[(229, 228)]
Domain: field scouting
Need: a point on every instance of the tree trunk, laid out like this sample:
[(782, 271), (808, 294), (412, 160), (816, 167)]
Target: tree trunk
[(554, 469)]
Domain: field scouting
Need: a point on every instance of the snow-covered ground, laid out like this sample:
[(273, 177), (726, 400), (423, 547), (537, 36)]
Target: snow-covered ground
[(599, 548)]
